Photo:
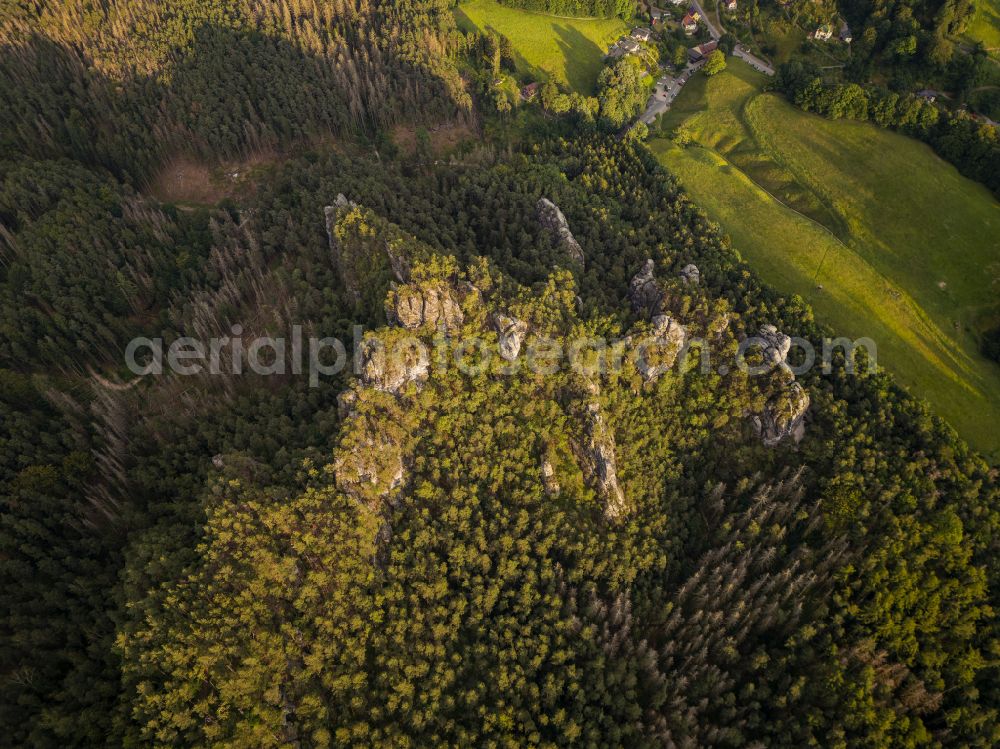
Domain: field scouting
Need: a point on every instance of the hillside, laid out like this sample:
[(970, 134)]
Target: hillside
[(870, 216), (567, 50), (985, 26), (319, 432), (547, 516)]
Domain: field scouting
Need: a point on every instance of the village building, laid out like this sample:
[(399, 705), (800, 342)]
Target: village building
[(927, 94), (729, 5), (530, 91), (623, 47), (845, 33), (822, 34), (690, 22), (641, 34), (702, 51)]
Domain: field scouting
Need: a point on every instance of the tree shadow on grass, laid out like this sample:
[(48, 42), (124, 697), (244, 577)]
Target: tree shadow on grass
[(582, 56), (526, 71)]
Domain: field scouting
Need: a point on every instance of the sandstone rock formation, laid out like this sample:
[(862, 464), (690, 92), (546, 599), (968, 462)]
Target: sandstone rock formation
[(776, 344), (551, 218), (783, 416), (399, 263), (784, 413), (601, 450), (690, 274), (659, 353), (511, 334), (552, 487), (345, 404), (415, 306), (332, 214), (390, 364), (364, 247), (370, 472), (644, 291)]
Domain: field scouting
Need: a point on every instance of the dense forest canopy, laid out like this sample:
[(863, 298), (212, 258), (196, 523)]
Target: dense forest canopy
[(411, 557), (124, 84)]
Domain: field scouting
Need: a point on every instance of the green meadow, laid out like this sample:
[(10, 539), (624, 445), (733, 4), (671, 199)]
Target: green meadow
[(985, 25), (883, 238), (567, 50)]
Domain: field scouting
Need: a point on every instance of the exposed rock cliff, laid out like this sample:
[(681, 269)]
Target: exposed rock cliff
[(644, 290), (369, 252), (784, 415), (388, 364), (345, 267), (659, 353), (601, 452), (777, 345), (550, 217), (370, 471), (511, 333), (552, 487), (415, 306), (690, 274)]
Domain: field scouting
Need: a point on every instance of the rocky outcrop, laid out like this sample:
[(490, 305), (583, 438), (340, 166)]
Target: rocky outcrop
[(784, 415), (690, 274), (551, 218), (390, 364), (601, 451), (369, 472), (644, 291), (365, 246), (776, 345), (416, 306), (659, 353), (510, 334), (345, 404), (399, 263), (370, 462), (549, 480)]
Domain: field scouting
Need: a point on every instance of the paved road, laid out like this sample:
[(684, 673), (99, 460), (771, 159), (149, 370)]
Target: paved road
[(712, 31), (739, 51), (755, 62), (668, 86)]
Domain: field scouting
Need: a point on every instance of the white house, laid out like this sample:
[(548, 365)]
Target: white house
[(823, 33)]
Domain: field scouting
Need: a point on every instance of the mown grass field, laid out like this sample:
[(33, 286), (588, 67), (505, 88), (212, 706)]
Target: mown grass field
[(567, 50), (878, 234)]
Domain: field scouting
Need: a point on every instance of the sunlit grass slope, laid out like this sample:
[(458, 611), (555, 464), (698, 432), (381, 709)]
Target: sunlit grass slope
[(568, 50), (985, 25), (882, 237)]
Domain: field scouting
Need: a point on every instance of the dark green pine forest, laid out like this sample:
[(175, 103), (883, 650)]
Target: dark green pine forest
[(489, 558)]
